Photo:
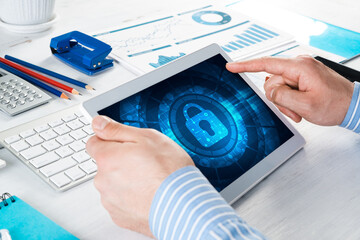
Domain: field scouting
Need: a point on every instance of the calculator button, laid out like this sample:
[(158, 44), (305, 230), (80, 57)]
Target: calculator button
[(2, 90), (4, 83), (1, 97), (14, 98), (13, 80), (22, 95), (19, 84), (20, 102), (31, 92), (29, 99), (8, 94), (11, 106), (16, 91), (37, 96), (25, 88), (10, 87), (5, 101)]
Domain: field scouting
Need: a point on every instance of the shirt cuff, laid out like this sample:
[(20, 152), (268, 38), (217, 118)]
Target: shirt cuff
[(187, 206), (352, 118)]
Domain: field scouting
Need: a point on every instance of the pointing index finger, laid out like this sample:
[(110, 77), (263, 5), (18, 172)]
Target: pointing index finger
[(271, 65)]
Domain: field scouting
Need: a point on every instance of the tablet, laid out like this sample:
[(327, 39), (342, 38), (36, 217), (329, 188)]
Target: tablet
[(235, 136)]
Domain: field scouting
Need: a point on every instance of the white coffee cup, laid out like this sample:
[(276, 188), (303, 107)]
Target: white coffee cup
[(26, 12)]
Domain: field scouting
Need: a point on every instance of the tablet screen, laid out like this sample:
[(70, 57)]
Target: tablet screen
[(213, 114)]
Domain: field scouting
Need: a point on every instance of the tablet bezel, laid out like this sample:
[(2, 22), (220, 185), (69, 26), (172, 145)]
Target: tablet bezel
[(255, 174)]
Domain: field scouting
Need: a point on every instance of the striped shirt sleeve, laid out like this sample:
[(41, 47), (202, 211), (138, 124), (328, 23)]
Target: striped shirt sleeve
[(186, 206), (352, 118)]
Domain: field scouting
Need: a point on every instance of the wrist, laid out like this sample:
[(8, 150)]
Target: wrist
[(352, 117)]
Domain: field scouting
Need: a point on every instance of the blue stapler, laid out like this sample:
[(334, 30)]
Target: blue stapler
[(81, 51)]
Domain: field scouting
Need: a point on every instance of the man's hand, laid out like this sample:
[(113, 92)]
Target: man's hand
[(302, 87), (132, 163)]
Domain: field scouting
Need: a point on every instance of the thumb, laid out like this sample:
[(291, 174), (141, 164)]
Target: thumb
[(107, 129), (286, 97)]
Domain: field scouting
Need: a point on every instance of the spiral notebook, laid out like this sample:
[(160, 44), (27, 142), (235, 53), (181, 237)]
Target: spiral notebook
[(24, 222)]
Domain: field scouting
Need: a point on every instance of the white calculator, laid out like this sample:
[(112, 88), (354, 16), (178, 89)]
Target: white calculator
[(18, 95)]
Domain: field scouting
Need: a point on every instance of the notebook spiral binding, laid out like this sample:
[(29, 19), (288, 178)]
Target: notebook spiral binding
[(5, 197)]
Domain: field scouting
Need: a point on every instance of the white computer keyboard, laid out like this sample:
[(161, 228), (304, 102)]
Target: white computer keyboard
[(54, 147)]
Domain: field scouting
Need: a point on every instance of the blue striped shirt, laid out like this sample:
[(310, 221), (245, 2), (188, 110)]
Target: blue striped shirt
[(352, 118), (186, 206)]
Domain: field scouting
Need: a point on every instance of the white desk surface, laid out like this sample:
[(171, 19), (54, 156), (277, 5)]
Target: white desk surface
[(314, 195)]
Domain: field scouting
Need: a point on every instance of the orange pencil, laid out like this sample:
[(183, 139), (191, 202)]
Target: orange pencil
[(39, 76)]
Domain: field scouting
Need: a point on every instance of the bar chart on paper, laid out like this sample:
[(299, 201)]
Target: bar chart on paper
[(150, 44), (253, 35)]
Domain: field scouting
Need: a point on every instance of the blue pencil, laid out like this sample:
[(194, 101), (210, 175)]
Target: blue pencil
[(49, 72), (33, 81)]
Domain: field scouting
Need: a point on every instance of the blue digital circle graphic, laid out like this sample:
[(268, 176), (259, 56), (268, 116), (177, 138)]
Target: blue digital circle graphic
[(199, 17), (184, 135)]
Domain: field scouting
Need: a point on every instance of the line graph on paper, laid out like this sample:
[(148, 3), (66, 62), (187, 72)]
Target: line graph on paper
[(150, 44)]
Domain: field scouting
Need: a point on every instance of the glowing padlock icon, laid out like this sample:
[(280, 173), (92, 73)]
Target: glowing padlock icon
[(204, 126)]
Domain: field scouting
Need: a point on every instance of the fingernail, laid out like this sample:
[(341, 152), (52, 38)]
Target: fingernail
[(100, 122), (272, 93), (267, 78)]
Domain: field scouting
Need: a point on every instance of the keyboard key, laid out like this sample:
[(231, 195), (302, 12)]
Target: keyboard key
[(78, 134), (64, 139), (62, 129), (76, 124), (56, 123), (88, 130), (20, 145), (75, 173), (89, 167), (79, 114), (45, 159), (48, 134), (81, 156), (84, 120), (60, 180), (51, 145), (77, 146), (12, 139), (34, 140), (64, 151), (86, 139), (27, 133), (69, 118), (58, 166), (33, 152), (42, 128)]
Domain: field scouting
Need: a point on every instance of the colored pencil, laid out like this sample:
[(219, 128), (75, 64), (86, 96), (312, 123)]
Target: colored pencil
[(33, 81), (39, 76), (49, 72)]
